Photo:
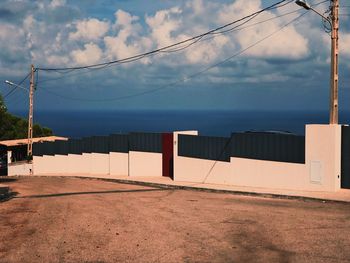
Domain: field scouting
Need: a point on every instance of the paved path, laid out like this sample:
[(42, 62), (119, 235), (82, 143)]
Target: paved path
[(342, 195), (56, 219)]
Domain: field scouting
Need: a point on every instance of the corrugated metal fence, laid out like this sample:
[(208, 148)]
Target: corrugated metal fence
[(251, 145), (143, 142), (203, 147)]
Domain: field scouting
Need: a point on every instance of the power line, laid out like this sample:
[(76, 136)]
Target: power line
[(179, 49), (183, 79), (14, 88), (199, 40), (141, 56)]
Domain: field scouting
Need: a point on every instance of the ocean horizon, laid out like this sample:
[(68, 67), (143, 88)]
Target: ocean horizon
[(83, 123)]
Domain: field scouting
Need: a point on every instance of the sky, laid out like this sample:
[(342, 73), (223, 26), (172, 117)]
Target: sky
[(269, 64)]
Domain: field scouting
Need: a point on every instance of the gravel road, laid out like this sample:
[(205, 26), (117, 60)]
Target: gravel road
[(61, 219)]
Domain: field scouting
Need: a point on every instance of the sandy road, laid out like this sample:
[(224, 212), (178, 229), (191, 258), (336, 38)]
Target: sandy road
[(83, 220)]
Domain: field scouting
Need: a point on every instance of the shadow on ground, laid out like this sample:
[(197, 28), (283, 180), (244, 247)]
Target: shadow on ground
[(8, 196), (92, 193), (5, 179)]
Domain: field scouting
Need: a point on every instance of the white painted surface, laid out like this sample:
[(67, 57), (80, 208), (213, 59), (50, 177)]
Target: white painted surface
[(77, 164), (99, 163), (321, 171), (323, 144), (9, 157), (59, 164), (86, 164), (316, 172), (145, 164), (21, 168), (43, 165), (177, 166), (202, 171), (118, 164)]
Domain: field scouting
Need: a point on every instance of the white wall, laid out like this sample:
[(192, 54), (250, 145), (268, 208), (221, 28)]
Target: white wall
[(43, 165), (145, 164), (322, 161), (178, 173), (323, 156), (321, 171), (20, 168), (118, 164), (99, 163), (77, 164), (60, 164)]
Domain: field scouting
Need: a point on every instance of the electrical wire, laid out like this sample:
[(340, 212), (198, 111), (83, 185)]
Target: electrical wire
[(141, 56), (179, 49), (15, 88), (199, 40), (183, 79)]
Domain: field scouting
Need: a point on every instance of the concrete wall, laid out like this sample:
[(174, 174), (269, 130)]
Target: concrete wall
[(319, 173), (179, 173), (99, 163), (60, 164), (145, 164), (323, 156), (21, 168), (118, 164), (43, 165), (77, 164)]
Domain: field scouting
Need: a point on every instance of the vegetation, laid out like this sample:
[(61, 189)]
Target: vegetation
[(13, 127)]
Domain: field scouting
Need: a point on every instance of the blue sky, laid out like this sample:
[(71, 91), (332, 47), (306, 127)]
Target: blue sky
[(288, 71)]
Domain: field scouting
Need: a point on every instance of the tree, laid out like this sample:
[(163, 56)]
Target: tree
[(13, 127)]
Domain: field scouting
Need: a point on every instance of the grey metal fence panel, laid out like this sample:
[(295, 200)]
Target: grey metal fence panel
[(61, 147), (48, 148), (145, 142), (75, 146), (87, 145), (204, 147), (37, 149), (119, 143), (269, 146), (100, 144), (345, 157)]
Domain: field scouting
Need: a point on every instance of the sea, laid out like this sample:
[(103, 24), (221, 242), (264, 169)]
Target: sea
[(77, 124)]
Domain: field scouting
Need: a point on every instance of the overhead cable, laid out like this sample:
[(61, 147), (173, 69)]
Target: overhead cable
[(143, 55), (182, 79)]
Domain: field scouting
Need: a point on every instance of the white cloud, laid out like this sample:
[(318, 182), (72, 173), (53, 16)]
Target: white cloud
[(206, 53), (344, 44), (57, 3), (163, 25), (10, 38), (124, 18), (57, 60), (89, 29), (89, 55), (128, 40), (287, 43), (197, 6)]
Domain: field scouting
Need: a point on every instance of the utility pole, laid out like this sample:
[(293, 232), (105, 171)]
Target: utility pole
[(30, 114), (333, 118)]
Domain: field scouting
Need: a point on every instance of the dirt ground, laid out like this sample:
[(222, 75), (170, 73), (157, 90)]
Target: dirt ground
[(53, 219)]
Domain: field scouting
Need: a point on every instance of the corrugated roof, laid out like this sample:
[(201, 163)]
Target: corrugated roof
[(19, 142)]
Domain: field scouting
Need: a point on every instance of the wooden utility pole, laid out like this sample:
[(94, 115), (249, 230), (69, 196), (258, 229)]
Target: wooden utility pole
[(30, 114), (333, 118)]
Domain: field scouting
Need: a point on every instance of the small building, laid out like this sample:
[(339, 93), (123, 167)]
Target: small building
[(12, 151)]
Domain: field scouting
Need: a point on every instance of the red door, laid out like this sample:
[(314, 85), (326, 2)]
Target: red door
[(168, 155)]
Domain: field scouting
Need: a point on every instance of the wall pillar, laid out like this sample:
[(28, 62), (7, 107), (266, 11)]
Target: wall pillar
[(323, 155)]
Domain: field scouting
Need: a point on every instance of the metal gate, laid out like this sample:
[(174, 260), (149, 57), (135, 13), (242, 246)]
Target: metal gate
[(345, 157), (168, 154)]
